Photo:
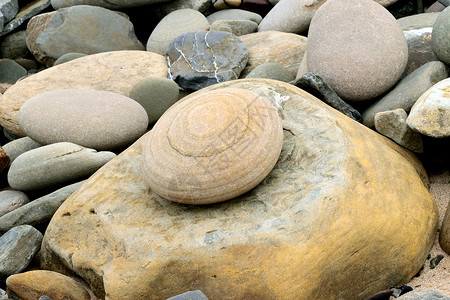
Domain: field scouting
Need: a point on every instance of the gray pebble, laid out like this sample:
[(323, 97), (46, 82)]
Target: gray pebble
[(10, 71), (191, 295), (3, 295), (55, 164), (234, 14), (11, 200), (68, 57), (17, 248), (19, 146), (271, 71)]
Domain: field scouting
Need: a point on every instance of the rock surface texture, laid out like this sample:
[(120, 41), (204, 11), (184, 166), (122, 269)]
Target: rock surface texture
[(113, 4), (331, 206), (201, 58), (123, 69), (357, 47), (440, 38)]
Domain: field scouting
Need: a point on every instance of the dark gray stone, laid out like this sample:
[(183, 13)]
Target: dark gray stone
[(419, 49), (445, 2), (14, 46), (407, 91), (25, 13), (440, 40), (191, 295), (37, 211), (17, 248), (10, 71), (11, 200), (199, 59), (315, 85), (9, 9)]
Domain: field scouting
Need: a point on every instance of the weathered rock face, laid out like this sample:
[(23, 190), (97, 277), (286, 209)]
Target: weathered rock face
[(201, 58), (81, 28), (123, 69), (320, 226)]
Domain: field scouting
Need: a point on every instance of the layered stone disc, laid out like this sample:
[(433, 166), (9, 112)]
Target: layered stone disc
[(212, 147)]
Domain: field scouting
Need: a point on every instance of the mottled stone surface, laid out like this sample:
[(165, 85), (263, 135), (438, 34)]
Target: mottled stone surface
[(26, 12), (407, 91), (9, 9), (236, 27), (440, 39), (271, 71), (39, 210), (112, 4), (333, 202), (418, 21), (55, 164), (419, 48), (286, 49), (33, 284), (10, 71), (392, 124), (68, 57), (201, 58), (11, 200), (430, 115), (94, 119), (290, 16), (81, 28), (4, 159), (357, 47), (14, 45), (87, 72), (17, 248), (172, 25)]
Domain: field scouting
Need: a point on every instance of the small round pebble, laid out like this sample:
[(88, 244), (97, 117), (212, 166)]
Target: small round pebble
[(68, 57), (156, 95)]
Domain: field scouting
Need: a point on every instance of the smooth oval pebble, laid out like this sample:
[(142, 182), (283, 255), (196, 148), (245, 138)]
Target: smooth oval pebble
[(95, 119), (55, 164), (440, 37), (212, 147), (10, 200)]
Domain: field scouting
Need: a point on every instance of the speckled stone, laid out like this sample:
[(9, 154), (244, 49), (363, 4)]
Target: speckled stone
[(94, 119), (18, 146), (172, 25), (236, 27), (271, 71), (234, 14), (156, 95), (17, 248), (11, 200), (418, 21), (440, 39), (357, 47), (430, 115), (201, 58)]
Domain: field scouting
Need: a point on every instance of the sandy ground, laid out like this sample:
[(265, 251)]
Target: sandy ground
[(437, 279)]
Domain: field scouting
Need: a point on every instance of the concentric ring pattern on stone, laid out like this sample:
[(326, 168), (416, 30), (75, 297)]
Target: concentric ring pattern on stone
[(212, 147)]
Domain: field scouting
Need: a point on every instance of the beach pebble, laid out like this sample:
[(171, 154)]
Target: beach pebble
[(224, 4), (3, 295), (80, 28), (286, 49), (17, 248), (115, 4), (419, 21), (18, 146), (38, 211), (156, 95), (201, 58), (11, 200), (234, 14), (68, 57), (236, 27), (423, 295), (440, 39), (55, 164), (357, 47), (430, 115), (94, 119), (444, 235), (191, 295), (407, 91), (435, 7), (33, 284), (4, 159), (8, 9), (87, 72), (392, 124), (290, 16), (271, 71), (10, 71), (419, 48), (172, 25)]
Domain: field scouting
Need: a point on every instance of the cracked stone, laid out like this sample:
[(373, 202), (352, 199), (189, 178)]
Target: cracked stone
[(199, 59)]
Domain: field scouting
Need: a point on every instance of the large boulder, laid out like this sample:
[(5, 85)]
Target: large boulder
[(328, 222), (81, 28), (116, 72)]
